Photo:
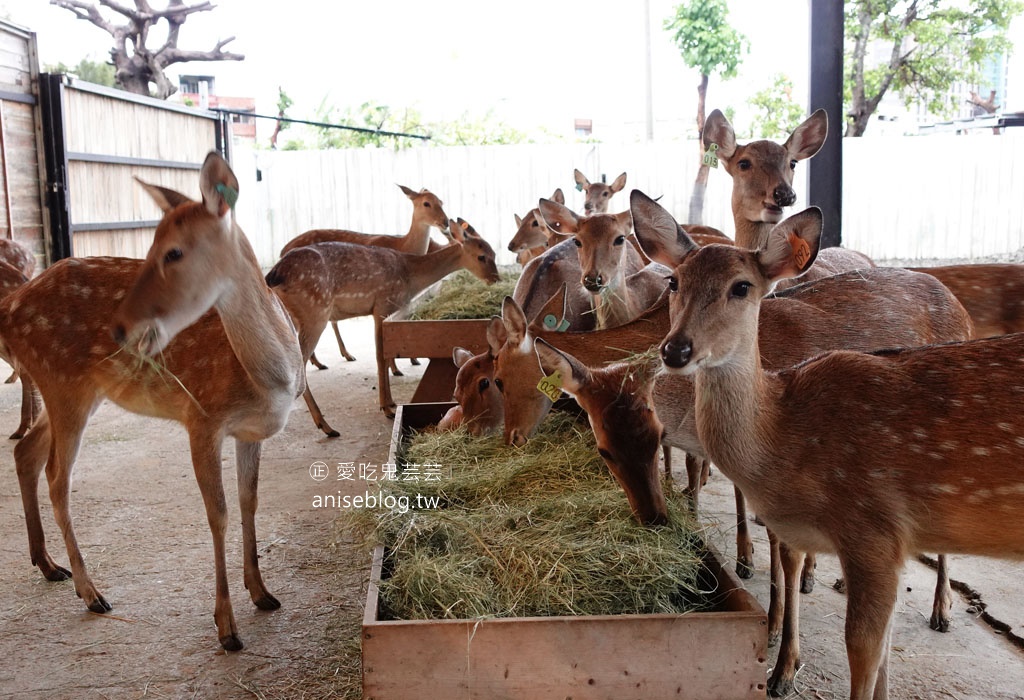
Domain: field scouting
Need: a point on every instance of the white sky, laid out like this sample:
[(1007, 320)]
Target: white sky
[(534, 62)]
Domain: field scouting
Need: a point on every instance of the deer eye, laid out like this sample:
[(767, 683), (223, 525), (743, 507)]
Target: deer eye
[(577, 242), (792, 165), (673, 283), (481, 258), (605, 454), (173, 255), (484, 383), (427, 205), (739, 290), (500, 384), (745, 164), (619, 240)]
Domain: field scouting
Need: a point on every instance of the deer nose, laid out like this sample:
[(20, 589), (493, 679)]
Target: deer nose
[(119, 334), (676, 354), (516, 439), (593, 283), (784, 196)]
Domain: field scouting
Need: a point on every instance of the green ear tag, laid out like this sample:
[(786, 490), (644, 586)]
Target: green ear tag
[(579, 187), (551, 386), (710, 157), (230, 194), (552, 324)]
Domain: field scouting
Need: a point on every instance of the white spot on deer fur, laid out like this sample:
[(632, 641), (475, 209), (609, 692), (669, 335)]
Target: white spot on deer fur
[(945, 488), (981, 451), (1005, 427), (935, 455), (1011, 490), (119, 294), (920, 433), (947, 446)]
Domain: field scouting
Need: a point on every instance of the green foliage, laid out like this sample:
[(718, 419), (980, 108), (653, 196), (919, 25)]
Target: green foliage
[(933, 45), (706, 41), (98, 72), (284, 103), (775, 112)]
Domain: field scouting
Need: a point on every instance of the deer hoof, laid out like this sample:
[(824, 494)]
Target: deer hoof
[(744, 569), (267, 602), (100, 605), (231, 642), (939, 623), (389, 411)]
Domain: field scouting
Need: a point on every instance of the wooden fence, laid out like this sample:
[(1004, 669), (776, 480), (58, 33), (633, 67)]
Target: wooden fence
[(903, 197)]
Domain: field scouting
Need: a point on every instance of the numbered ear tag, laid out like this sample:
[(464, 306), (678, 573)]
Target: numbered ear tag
[(801, 250), (230, 194), (551, 386), (711, 156), (553, 324)]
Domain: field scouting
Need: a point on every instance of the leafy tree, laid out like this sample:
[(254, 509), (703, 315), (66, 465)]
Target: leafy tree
[(88, 70), (706, 41), (775, 112), (476, 131), (932, 45), (284, 102), (137, 64)]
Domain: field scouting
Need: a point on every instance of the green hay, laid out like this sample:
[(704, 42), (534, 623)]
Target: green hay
[(542, 530), (462, 295)]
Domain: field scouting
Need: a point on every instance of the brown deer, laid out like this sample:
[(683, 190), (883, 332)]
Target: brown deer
[(621, 283), (992, 293), (19, 257), (480, 405), (598, 194), (532, 235), (427, 211), (193, 335), (12, 278), (871, 456), (762, 184), (334, 281)]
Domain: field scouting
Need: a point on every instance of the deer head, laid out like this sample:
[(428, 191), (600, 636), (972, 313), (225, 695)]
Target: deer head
[(598, 194)]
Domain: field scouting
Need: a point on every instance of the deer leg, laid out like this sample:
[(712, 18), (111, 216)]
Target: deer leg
[(315, 362), (13, 378), (247, 461), (744, 543), (788, 663), (317, 414), (31, 406), (666, 452), (387, 403), (29, 457), (206, 450), (414, 361), (807, 575), (67, 424), (341, 343), (776, 590), (943, 605), (694, 467), (393, 366), (872, 578)]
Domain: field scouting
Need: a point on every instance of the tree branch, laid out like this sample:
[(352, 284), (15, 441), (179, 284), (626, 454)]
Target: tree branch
[(176, 55), (88, 12)]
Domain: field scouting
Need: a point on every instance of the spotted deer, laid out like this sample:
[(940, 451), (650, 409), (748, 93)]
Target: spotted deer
[(18, 256), (479, 404), (872, 456), (192, 334), (11, 278), (762, 184), (621, 282), (598, 194), (532, 235), (427, 212), (334, 281)]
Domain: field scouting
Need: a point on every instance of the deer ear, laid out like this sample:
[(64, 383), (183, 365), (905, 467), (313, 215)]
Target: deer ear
[(514, 319), (618, 183), (408, 192), (551, 316), (661, 238), (718, 130), (558, 217), (575, 375), (461, 356), (582, 182), (165, 198), (806, 139), (558, 196), (496, 335), (218, 184), (519, 220), (792, 246)]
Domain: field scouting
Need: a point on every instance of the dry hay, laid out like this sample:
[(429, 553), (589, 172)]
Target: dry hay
[(542, 530), (462, 295)]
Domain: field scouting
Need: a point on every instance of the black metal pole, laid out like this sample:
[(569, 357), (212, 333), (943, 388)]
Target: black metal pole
[(825, 170)]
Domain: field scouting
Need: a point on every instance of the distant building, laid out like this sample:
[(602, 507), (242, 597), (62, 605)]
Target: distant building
[(199, 90)]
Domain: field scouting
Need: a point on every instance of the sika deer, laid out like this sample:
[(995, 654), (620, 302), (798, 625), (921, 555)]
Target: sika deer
[(12, 278), (762, 184), (871, 456), (480, 404), (598, 194), (199, 339), (334, 281), (620, 281), (427, 211), (533, 236)]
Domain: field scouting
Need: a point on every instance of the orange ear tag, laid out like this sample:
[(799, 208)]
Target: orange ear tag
[(551, 386), (801, 250)]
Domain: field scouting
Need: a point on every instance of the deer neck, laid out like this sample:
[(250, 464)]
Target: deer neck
[(733, 412), (751, 234), (259, 329), (424, 270), (417, 240)]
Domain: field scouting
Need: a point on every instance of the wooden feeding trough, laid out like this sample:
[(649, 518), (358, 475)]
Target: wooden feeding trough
[(433, 340), (721, 653)]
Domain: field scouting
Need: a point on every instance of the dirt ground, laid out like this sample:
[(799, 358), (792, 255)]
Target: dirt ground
[(139, 519)]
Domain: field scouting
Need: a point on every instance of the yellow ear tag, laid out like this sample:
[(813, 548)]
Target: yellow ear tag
[(801, 250), (551, 386), (710, 156)]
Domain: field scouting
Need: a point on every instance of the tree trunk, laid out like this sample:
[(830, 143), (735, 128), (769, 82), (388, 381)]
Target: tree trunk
[(700, 185)]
